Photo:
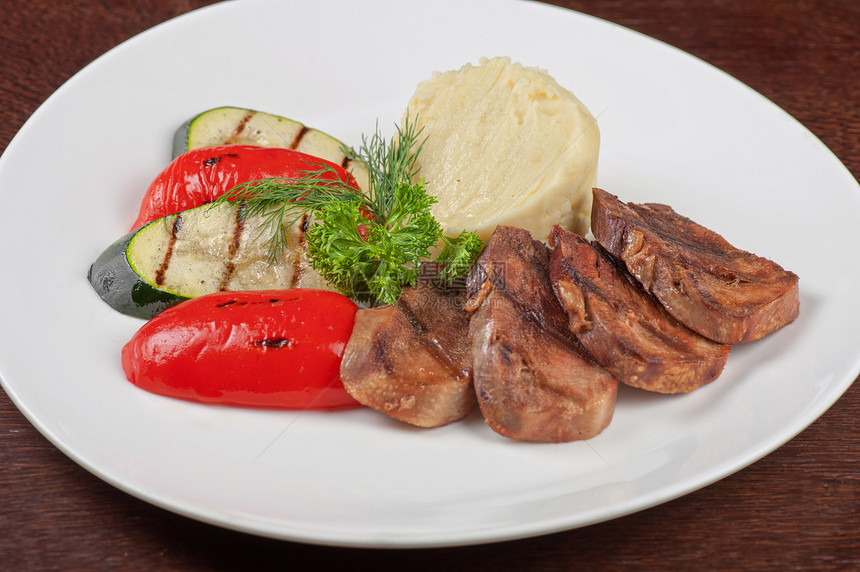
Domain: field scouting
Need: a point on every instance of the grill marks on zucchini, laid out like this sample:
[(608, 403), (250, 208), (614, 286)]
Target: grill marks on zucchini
[(208, 249), (297, 140), (300, 257), (230, 267), (199, 251), (239, 126), (174, 230)]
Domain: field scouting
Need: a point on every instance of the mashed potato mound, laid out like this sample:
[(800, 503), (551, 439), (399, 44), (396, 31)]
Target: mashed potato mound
[(506, 144)]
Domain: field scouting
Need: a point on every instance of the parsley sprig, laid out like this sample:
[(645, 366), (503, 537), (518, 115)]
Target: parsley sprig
[(367, 245)]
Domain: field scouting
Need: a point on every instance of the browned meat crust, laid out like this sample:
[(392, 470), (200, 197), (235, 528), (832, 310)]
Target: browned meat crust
[(624, 327), (533, 385), (533, 380), (726, 294), (412, 360)]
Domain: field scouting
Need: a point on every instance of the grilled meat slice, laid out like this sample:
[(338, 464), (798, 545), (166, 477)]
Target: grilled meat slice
[(724, 293), (412, 360), (532, 384), (514, 263), (533, 380), (624, 327)]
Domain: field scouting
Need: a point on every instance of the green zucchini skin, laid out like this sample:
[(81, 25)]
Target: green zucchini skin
[(180, 139), (116, 282)]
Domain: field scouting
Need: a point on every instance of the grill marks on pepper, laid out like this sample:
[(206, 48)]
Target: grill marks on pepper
[(215, 159), (275, 343), (168, 254), (270, 302), (233, 248)]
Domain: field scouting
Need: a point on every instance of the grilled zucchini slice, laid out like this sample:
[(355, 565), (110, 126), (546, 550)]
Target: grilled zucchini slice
[(239, 126), (195, 252)]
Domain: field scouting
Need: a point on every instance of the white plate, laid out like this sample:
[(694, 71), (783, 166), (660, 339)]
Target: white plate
[(674, 130)]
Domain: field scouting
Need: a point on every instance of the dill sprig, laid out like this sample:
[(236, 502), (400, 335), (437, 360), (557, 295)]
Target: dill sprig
[(367, 245), (388, 165), (281, 201)]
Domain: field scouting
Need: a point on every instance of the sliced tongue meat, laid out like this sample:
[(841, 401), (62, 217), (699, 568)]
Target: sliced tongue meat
[(412, 360), (533, 380), (624, 327), (724, 293)]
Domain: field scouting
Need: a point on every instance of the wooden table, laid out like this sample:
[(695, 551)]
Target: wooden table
[(798, 507)]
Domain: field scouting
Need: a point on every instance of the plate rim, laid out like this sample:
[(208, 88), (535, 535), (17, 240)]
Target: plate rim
[(728, 466)]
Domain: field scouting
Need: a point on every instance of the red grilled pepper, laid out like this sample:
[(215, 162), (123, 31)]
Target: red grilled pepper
[(271, 348), (199, 176)]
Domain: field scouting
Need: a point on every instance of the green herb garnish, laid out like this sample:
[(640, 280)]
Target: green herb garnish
[(367, 245)]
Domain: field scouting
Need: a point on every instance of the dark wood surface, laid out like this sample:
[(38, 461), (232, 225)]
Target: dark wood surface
[(798, 508)]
